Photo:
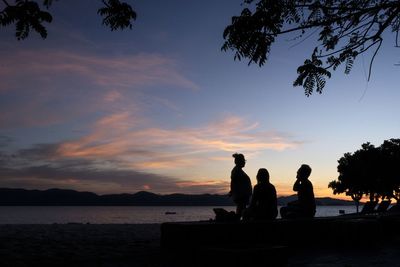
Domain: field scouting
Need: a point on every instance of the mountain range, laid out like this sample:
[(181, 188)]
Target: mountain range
[(66, 197)]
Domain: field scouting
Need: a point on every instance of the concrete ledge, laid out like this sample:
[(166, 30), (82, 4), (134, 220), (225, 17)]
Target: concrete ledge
[(299, 232), (233, 255)]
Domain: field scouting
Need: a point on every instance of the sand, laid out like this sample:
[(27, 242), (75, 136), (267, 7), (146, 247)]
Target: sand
[(79, 245), (120, 245)]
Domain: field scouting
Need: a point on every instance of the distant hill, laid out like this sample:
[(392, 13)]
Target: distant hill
[(320, 201), (64, 197)]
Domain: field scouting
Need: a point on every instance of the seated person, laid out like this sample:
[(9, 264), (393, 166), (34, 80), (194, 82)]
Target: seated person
[(304, 207), (263, 205)]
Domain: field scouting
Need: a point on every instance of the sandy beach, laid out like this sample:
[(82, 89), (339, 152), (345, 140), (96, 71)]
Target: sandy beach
[(120, 245), (79, 245)]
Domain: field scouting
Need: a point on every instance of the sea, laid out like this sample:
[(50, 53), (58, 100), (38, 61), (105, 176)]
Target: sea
[(124, 214)]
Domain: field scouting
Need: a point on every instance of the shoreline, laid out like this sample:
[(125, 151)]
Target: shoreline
[(123, 215)]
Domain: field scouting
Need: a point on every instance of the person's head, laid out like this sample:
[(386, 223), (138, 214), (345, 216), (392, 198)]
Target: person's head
[(304, 172), (263, 176), (239, 160)]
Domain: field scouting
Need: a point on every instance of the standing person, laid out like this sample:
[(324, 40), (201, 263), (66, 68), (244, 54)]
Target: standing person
[(305, 204), (263, 204), (240, 185)]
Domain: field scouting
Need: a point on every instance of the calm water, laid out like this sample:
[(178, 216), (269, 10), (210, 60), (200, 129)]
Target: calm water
[(74, 214)]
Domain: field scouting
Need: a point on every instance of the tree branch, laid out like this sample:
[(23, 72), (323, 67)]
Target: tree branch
[(373, 57), (387, 22), (333, 20)]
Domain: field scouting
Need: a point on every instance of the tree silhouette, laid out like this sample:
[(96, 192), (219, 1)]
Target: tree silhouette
[(390, 150), (32, 15), (346, 29), (370, 171)]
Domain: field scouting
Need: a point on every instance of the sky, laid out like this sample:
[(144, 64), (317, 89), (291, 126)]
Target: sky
[(161, 108)]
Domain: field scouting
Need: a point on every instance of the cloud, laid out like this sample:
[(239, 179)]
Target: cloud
[(5, 141), (25, 113), (122, 154), (205, 186), (112, 96), (90, 179), (48, 87), (121, 150), (118, 136), (128, 71), (92, 175)]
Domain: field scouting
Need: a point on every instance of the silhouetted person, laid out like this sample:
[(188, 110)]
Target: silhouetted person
[(240, 185), (305, 204), (263, 204)]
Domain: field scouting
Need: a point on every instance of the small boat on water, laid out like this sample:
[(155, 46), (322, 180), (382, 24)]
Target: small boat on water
[(170, 212)]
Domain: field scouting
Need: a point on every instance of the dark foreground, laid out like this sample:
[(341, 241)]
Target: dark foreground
[(79, 245), (354, 240), (139, 245)]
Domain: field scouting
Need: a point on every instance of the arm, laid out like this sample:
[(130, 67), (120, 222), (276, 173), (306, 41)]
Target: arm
[(273, 198), (296, 186), (233, 178), (254, 198)]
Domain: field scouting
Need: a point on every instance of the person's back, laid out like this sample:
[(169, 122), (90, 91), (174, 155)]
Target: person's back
[(305, 204), (264, 201), (306, 197), (241, 188), (240, 184)]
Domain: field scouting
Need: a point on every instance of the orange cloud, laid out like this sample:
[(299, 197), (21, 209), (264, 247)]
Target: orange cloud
[(205, 186), (201, 183), (121, 136), (112, 96), (164, 162), (146, 187)]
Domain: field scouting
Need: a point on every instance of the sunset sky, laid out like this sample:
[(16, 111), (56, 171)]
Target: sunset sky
[(161, 108)]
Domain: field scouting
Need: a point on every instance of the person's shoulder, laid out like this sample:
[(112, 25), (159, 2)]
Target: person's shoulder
[(237, 172), (307, 185), (235, 169), (264, 186), (271, 186)]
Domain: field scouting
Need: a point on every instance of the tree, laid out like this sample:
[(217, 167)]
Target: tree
[(357, 174), (390, 150), (32, 15), (346, 29), (370, 171)]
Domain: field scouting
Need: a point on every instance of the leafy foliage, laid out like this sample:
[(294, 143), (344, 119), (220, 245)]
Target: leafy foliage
[(27, 16), (117, 15), (390, 150), (370, 171), (346, 29), (30, 16), (312, 75)]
